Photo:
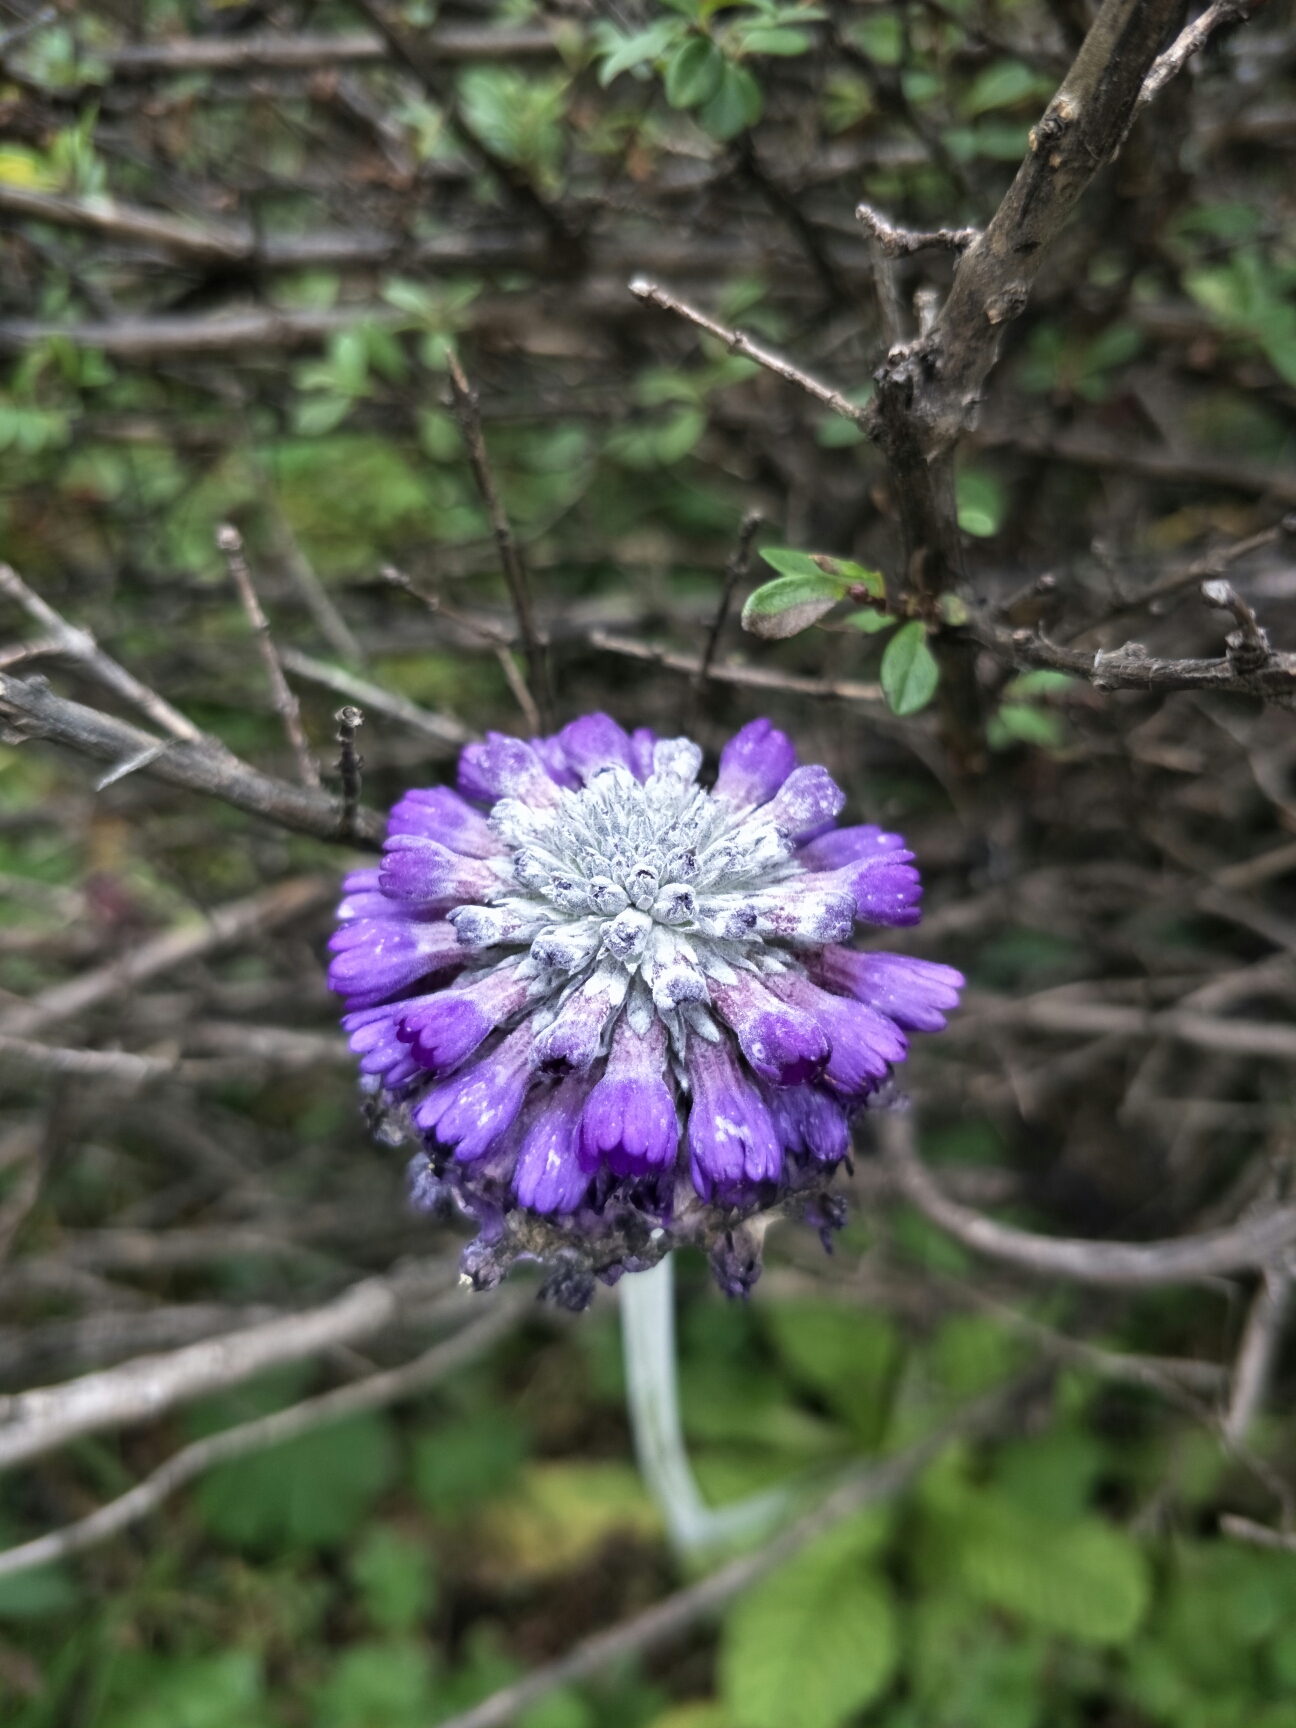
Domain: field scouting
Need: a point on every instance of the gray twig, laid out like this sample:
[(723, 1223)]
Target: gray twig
[(1190, 40), (1258, 1351), (737, 343), (468, 413), (903, 242), (350, 762), (499, 640), (230, 542), (750, 677), (371, 1393), (735, 572), (1247, 1530), (444, 728), (1243, 1247)]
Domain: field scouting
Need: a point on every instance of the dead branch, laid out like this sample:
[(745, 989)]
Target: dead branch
[(372, 1393), (1258, 1351), (34, 711), (1190, 40), (1243, 1247), (230, 542), (739, 563), (443, 728), (904, 242), (308, 50), (750, 677)]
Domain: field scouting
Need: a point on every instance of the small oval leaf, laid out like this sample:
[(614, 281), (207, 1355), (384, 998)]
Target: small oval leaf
[(790, 605), (909, 671)]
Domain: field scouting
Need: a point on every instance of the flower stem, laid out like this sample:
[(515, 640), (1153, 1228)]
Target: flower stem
[(652, 1394)]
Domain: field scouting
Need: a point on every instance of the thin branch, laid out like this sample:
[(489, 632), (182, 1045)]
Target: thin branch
[(750, 677), (59, 1061), (372, 1393), (736, 570), (903, 242), (186, 941), (467, 410), (80, 646), (230, 542), (500, 641), (678, 1613), (1260, 1535), (737, 343), (1061, 1011), (1190, 40), (38, 1421), (308, 50), (444, 728), (1121, 1265), (34, 711), (1258, 1351), (350, 762)]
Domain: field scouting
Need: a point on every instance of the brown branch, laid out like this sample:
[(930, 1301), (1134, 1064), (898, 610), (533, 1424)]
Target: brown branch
[(903, 242), (737, 343), (443, 728), (736, 569), (1122, 1265), (230, 542), (1190, 40), (750, 677), (228, 924), (1131, 667), (468, 413), (1258, 1351), (678, 1613), (59, 1061), (35, 1422), (306, 51), (1260, 1535), (350, 762), (71, 643), (372, 1393), (34, 711)]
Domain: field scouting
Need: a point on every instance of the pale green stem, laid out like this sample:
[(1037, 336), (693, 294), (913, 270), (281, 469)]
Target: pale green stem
[(652, 1394)]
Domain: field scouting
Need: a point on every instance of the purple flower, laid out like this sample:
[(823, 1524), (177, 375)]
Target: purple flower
[(603, 950)]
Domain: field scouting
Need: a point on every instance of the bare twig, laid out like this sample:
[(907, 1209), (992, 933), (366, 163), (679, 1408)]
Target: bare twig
[(444, 728), (1243, 1247), (735, 572), (903, 242), (1260, 1535), (1190, 40), (1258, 1351), (306, 51), (34, 711), (35, 1422), (737, 343), (349, 721), (186, 941), (230, 542), (79, 645), (468, 413), (499, 640), (677, 1613), (58, 1061), (750, 677), (372, 1393)]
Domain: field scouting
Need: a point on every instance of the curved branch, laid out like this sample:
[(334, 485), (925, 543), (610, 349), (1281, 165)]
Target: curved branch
[(1121, 1265)]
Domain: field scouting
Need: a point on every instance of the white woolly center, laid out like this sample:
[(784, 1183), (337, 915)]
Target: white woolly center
[(656, 881)]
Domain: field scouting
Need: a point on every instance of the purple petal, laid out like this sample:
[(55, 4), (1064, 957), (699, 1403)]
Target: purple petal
[(848, 846), (375, 1035), (916, 994), (883, 890), (783, 1044), (809, 801), (642, 741), (754, 764), (427, 872), (594, 742), (554, 758), (437, 813), (809, 1120), (629, 1120), (731, 1138), (548, 1177), (374, 958), (572, 1041), (474, 1109), (445, 1029), (864, 1042), (504, 767)]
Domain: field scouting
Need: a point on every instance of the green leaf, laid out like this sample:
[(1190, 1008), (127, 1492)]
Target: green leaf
[(869, 621), (1041, 682), (377, 1686), (909, 671), (194, 1692), (1020, 723), (790, 605), (810, 1646), (394, 1578), (310, 1492), (1002, 85), (846, 1356), (981, 503), (736, 104), (624, 53), (464, 1461), (694, 72), (766, 40), (320, 414), (788, 561)]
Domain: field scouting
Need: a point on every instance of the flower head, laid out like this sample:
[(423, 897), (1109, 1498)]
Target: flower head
[(615, 1008)]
